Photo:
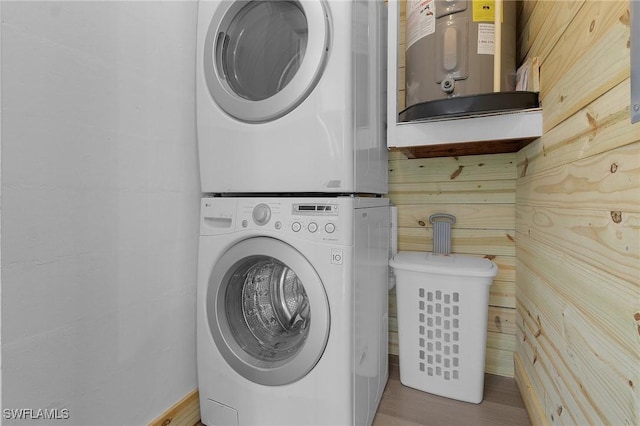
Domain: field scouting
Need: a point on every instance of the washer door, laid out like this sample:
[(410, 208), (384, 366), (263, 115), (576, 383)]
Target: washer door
[(267, 311), (263, 58)]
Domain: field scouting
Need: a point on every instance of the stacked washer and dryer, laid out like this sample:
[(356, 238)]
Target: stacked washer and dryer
[(294, 241)]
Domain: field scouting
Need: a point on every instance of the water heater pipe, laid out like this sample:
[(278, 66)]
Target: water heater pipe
[(497, 45)]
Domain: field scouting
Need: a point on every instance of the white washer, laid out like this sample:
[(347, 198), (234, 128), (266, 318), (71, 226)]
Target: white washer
[(291, 96), (292, 310)]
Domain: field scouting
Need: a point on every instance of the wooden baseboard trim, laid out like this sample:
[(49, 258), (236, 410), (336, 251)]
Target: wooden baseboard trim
[(531, 401), (185, 412)]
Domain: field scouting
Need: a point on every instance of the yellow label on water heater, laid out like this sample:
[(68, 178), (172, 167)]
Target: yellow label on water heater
[(485, 11)]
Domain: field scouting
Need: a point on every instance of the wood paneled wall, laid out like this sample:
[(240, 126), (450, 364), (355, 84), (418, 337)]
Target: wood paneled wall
[(480, 191), (578, 220)]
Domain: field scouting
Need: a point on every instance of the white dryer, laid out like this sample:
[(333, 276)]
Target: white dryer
[(292, 310), (291, 96)]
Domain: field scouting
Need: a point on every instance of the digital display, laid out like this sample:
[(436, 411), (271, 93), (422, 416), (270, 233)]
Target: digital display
[(310, 208)]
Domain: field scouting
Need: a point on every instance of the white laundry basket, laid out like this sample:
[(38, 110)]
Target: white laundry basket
[(442, 322)]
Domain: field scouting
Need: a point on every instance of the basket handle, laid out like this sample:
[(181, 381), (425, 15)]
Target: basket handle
[(442, 223), (442, 217)]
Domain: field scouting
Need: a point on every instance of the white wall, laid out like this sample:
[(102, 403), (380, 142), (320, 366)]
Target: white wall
[(100, 195)]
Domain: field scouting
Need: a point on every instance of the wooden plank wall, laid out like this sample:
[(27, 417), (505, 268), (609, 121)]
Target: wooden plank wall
[(480, 191), (578, 220)]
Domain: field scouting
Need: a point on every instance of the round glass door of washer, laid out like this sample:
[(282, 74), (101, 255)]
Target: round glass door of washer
[(263, 58), (268, 311)]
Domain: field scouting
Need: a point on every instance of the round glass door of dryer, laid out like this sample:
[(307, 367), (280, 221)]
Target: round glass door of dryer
[(263, 58), (268, 311)]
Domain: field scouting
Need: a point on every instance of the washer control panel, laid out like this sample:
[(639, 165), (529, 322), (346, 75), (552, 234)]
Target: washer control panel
[(313, 220)]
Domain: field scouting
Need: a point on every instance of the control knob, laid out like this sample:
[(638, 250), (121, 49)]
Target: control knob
[(261, 214)]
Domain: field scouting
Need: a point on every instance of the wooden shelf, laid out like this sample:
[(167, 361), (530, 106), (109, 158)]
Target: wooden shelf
[(469, 135), (492, 134), (458, 149)]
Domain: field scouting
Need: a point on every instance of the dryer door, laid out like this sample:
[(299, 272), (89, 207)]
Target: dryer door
[(267, 311), (263, 58)]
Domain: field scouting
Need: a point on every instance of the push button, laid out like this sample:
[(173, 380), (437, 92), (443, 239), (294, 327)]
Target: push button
[(296, 227), (313, 227), (329, 228)]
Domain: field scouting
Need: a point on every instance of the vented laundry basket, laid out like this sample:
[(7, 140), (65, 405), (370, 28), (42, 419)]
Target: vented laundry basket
[(442, 322)]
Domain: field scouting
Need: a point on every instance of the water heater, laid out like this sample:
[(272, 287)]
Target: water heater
[(450, 59)]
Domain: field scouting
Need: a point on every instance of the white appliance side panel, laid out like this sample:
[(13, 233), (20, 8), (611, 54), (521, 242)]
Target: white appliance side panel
[(369, 76), (381, 241), (371, 248)]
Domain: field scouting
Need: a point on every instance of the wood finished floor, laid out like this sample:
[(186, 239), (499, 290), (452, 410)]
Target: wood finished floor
[(404, 406)]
